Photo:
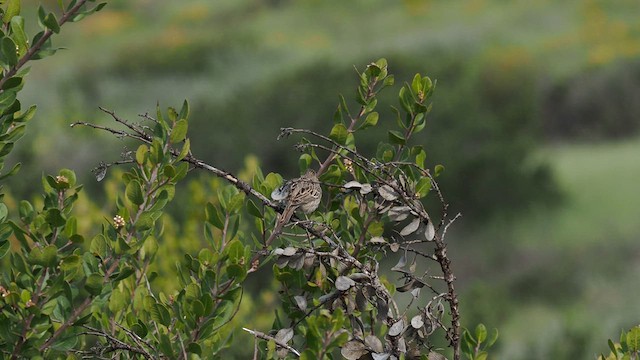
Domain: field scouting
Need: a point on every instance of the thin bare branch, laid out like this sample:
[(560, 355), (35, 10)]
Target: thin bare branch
[(264, 336)]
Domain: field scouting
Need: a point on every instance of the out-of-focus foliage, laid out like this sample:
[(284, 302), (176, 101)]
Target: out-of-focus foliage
[(224, 53)]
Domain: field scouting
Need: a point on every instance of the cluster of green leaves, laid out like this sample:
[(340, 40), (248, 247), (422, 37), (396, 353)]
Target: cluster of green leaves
[(15, 52), (46, 272), (627, 349), (475, 347)]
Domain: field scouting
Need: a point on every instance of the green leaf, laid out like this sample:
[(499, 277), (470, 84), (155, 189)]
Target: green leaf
[(221, 316), (5, 246), (179, 131), (45, 50), (492, 338), (633, 339), (388, 81), (423, 186), (140, 329), (612, 346), (25, 116), (13, 9), (55, 218), (192, 291), (99, 246), (70, 175), (65, 344), (370, 120), (134, 192), (194, 348), (4, 211), (337, 116), (184, 151), (416, 84), (9, 54), (481, 333), (420, 158), (51, 22), (14, 170), (93, 285), (304, 162), (184, 111), (438, 170), (71, 227), (15, 84), (405, 99), (18, 34), (213, 216), (70, 262), (141, 154), (235, 251), (339, 134), (253, 209), (124, 273), (161, 314), (173, 114), (395, 137), (146, 221)]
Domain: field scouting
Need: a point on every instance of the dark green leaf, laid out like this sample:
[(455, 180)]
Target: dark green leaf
[(5, 246), (12, 172), (93, 285), (51, 22), (124, 273), (253, 209), (184, 111), (15, 83), (194, 348), (55, 218), (9, 54), (395, 137), (161, 314), (99, 246), (50, 256), (213, 216)]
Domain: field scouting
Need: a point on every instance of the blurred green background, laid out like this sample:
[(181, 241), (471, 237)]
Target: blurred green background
[(536, 119)]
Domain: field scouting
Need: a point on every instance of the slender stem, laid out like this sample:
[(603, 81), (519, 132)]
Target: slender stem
[(264, 336)]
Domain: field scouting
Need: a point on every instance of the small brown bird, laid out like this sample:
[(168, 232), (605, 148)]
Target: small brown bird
[(302, 193)]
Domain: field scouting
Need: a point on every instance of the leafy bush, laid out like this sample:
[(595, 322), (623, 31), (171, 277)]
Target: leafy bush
[(65, 295)]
